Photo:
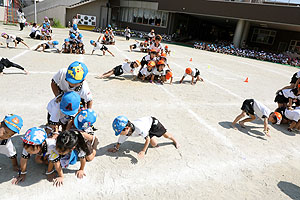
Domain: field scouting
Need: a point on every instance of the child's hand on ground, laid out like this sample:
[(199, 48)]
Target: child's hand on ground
[(141, 154), (80, 174), (19, 179), (112, 150), (50, 177), (58, 181)]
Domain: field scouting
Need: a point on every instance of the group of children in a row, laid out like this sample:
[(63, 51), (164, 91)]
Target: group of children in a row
[(287, 112), (69, 134)]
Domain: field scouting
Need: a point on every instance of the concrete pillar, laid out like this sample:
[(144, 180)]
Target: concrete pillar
[(245, 32), (238, 33)]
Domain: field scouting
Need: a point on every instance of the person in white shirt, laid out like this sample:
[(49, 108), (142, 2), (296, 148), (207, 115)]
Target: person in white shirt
[(74, 30), (286, 97), (33, 31), (150, 56), (284, 115), (146, 72), (73, 79), (13, 38), (127, 33), (48, 45), (98, 46), (136, 45), (253, 108), (194, 73), (125, 68), (157, 45), (21, 18), (149, 128), (151, 35), (158, 72)]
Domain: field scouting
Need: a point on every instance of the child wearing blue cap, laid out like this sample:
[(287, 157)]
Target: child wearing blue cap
[(48, 45), (66, 47), (35, 142), (10, 125), (62, 110), (84, 122), (74, 30), (73, 79), (72, 38), (98, 46), (79, 38), (147, 127)]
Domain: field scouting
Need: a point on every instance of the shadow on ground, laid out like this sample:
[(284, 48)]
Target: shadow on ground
[(290, 189)]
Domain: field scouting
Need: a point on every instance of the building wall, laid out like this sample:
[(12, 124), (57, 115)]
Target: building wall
[(96, 8), (283, 36), (58, 12)]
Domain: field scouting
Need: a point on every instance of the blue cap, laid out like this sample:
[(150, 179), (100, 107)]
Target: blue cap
[(13, 122), (92, 41), (75, 27), (76, 72), (85, 119), (70, 103), (109, 25), (119, 124), (72, 36), (44, 26), (80, 35), (67, 40), (34, 136), (55, 42)]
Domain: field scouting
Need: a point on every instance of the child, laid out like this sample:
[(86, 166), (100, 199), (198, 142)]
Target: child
[(74, 30), (147, 127), (167, 51), (80, 48), (73, 79), (79, 38), (33, 31), (127, 68), (84, 122), (47, 35), (286, 115), (35, 142), (72, 38), (169, 76), (5, 63), (146, 72), (111, 37), (73, 49), (151, 56), (158, 72), (66, 142), (62, 110), (48, 45), (252, 107), (157, 45), (284, 98), (10, 125), (163, 57), (98, 46), (13, 38), (66, 47), (194, 73), (136, 45)]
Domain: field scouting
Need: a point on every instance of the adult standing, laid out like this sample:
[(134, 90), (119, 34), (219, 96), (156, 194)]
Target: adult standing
[(74, 20), (21, 18), (127, 33)]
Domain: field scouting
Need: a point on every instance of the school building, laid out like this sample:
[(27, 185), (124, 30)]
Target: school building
[(260, 24)]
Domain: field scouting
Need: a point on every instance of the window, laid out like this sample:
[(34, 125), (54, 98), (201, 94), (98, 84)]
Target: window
[(144, 16), (294, 46), (1, 2), (263, 36)]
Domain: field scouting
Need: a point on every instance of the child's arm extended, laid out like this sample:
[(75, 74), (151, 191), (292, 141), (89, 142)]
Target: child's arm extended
[(171, 80), (93, 52), (266, 128), (193, 80), (80, 173), (59, 180), (289, 106), (142, 153), (181, 79), (115, 148), (99, 38), (22, 173)]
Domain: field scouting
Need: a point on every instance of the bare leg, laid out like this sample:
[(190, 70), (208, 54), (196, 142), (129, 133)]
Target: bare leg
[(110, 53), (238, 118), (25, 44), (170, 137), (250, 119), (106, 75), (38, 47)]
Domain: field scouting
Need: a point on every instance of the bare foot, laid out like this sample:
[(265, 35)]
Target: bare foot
[(242, 124), (1, 74), (177, 145), (99, 77), (233, 126), (26, 72)]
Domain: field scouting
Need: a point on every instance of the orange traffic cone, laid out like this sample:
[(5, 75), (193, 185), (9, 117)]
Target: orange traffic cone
[(191, 59), (246, 81)]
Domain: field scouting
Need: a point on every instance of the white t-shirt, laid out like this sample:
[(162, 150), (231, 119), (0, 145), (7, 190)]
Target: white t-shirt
[(145, 71), (51, 150), (127, 69), (10, 38), (127, 32), (292, 114), (56, 115), (260, 109), (194, 72), (98, 46), (151, 35), (287, 93), (157, 48), (51, 46), (21, 17), (60, 79), (74, 31), (33, 29), (7, 148), (156, 72), (142, 128)]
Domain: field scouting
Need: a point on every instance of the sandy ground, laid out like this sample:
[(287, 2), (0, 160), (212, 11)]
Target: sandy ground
[(214, 161)]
